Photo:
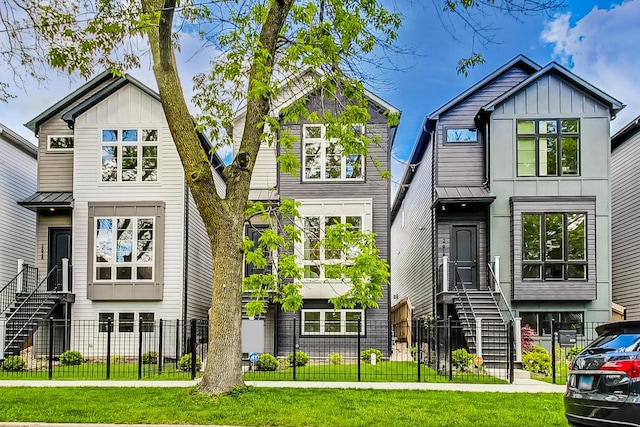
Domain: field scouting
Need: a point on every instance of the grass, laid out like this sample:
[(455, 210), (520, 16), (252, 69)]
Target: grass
[(98, 371), (281, 407), (381, 372)]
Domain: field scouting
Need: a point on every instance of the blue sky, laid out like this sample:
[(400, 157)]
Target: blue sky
[(596, 39)]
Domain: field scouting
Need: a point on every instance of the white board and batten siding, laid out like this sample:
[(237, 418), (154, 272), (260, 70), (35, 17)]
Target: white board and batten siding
[(128, 108), (17, 224)]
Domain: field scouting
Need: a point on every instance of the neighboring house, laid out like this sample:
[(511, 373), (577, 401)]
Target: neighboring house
[(112, 200), (625, 227), (497, 211), (331, 188), (17, 181)]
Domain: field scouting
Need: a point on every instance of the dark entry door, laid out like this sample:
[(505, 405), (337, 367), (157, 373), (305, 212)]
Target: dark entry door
[(59, 247), (464, 255)]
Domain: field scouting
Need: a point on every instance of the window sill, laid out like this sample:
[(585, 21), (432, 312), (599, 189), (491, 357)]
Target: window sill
[(112, 291)]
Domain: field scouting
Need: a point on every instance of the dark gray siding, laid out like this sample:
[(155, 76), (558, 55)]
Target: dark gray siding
[(469, 157), (625, 225), (564, 290)]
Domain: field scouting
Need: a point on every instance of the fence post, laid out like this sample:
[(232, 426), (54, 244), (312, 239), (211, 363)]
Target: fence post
[(359, 346), (624, 314), (177, 342), (429, 342), (193, 349), (50, 348), (449, 349), (479, 336), (139, 349), (160, 349), (437, 347), (109, 326), (512, 343), (418, 323), (553, 350), (294, 348)]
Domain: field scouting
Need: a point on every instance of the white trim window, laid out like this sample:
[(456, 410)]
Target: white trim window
[(323, 159), (124, 249), (129, 155), (332, 322), (59, 143)]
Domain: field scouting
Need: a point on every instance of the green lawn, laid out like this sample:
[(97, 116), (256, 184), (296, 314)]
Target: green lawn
[(280, 407)]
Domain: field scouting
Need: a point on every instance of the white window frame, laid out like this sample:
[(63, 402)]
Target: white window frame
[(56, 150), (323, 141), (134, 263), (343, 321), (119, 144)]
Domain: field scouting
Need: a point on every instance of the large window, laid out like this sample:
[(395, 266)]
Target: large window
[(548, 147), (124, 249), (340, 322), (540, 322), (318, 257), (324, 158), (554, 246), (129, 155)]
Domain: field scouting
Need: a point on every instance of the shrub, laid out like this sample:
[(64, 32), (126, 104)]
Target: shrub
[(302, 358), (13, 363), (537, 361), (150, 358), (462, 359), (71, 357), (365, 355), (267, 362), (116, 358), (527, 336), (573, 352), (335, 359), (184, 364)]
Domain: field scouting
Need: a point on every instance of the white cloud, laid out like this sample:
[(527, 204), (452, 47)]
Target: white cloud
[(602, 48)]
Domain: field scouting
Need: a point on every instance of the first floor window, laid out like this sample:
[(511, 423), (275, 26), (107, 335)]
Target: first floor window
[(124, 249), (540, 322), (340, 322), (125, 322), (147, 322), (103, 321), (554, 246)]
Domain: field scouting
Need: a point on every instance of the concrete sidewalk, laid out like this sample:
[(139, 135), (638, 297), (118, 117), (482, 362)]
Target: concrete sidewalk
[(520, 385)]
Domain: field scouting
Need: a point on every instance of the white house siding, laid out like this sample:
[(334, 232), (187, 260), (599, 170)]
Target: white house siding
[(17, 224), (127, 108), (412, 241), (550, 97), (199, 264), (55, 168)]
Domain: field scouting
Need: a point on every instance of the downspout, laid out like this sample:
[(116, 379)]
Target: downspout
[(434, 238)]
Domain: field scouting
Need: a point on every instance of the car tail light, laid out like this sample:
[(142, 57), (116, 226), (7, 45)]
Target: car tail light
[(630, 367)]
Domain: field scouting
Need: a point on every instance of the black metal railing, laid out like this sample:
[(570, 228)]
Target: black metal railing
[(501, 301), (25, 281)]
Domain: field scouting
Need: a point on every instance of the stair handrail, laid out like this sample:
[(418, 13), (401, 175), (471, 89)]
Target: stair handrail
[(497, 286), (31, 295), (9, 291), (466, 294)]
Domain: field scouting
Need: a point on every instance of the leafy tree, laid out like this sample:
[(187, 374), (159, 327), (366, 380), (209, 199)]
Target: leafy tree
[(258, 43)]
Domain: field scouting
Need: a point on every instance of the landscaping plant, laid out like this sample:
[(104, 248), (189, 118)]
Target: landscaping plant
[(335, 359), (71, 357), (13, 364), (462, 359), (302, 358), (267, 362), (365, 355), (150, 358), (537, 360), (527, 337), (184, 364)]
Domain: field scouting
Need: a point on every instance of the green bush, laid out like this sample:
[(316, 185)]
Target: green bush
[(365, 355), (267, 362), (462, 359), (116, 359), (13, 363), (150, 358), (335, 359), (302, 358), (537, 360), (184, 364), (573, 352), (71, 357)]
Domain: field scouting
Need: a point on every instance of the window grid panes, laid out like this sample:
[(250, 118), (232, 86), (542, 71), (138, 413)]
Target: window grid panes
[(60, 143), (318, 258), (330, 322), (324, 160), (540, 322), (548, 147), (129, 155), (124, 249), (554, 246)]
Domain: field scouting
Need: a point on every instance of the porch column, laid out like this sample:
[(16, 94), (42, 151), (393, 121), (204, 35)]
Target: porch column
[(479, 336), (20, 276), (445, 273), (496, 270), (2, 337), (65, 275), (518, 338)]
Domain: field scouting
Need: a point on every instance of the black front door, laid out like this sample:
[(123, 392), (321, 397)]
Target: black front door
[(464, 255), (59, 247)]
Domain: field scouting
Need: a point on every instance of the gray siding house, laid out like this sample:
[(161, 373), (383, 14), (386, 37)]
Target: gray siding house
[(497, 212), (625, 227), (350, 190), (17, 181), (118, 234)]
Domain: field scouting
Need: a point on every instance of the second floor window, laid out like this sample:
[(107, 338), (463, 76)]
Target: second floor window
[(129, 155), (548, 147), (324, 159)]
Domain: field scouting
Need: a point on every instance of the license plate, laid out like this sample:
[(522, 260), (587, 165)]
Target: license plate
[(585, 382)]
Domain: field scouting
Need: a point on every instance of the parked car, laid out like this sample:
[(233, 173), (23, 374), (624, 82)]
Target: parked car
[(603, 388)]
